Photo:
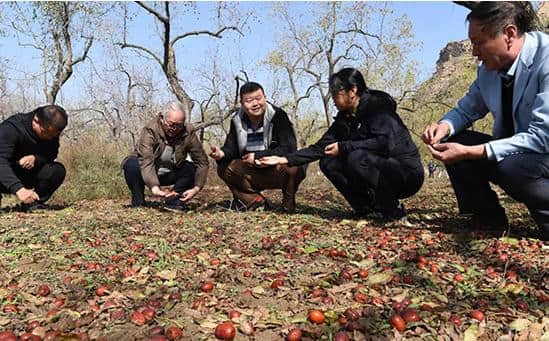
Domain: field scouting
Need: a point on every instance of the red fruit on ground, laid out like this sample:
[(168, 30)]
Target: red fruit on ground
[(351, 314), (247, 328), (341, 336), (458, 278), (149, 313), (316, 316), (207, 286), (363, 273), (7, 336), (522, 305), (410, 315), (30, 327), (43, 290), (158, 330), (234, 314), (138, 318), (225, 331), (294, 335), (277, 283), (29, 337), (456, 320), (174, 333), (398, 322), (477, 315), (102, 290)]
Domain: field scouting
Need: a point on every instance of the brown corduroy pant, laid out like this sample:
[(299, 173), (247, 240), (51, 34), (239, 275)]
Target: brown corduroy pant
[(246, 181)]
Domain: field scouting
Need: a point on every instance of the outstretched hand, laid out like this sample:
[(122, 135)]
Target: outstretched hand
[(189, 194), (332, 149), (164, 193), (216, 153), (271, 161)]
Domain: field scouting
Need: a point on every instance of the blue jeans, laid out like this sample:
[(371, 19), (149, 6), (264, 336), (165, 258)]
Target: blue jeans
[(182, 178), (524, 177)]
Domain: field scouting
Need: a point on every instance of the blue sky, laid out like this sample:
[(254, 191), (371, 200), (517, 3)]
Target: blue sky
[(434, 25)]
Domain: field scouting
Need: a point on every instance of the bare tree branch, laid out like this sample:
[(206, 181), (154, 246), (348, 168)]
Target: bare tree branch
[(159, 16), (206, 32)]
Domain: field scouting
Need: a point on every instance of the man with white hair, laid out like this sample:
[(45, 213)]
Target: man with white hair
[(160, 159)]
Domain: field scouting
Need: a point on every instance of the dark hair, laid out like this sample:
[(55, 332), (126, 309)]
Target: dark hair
[(248, 87), (495, 15), (52, 116), (345, 79)]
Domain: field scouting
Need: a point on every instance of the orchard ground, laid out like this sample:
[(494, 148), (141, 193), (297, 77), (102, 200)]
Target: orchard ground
[(125, 274)]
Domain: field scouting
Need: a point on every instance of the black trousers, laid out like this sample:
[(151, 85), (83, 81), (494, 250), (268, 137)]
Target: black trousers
[(524, 177), (45, 180), (369, 181), (182, 178)]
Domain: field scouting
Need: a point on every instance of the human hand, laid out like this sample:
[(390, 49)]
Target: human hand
[(435, 132), (332, 149), (27, 162), (449, 152), (248, 158), (216, 153), (271, 161), (165, 193), (189, 194), (26, 196)]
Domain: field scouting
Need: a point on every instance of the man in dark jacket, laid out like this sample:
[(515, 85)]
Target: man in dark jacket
[(258, 129), (160, 157), (29, 144)]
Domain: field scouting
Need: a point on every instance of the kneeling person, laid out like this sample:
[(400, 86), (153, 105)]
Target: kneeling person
[(257, 130), (367, 152), (160, 157), (29, 143)]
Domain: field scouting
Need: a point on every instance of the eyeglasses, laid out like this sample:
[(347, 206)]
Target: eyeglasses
[(172, 125)]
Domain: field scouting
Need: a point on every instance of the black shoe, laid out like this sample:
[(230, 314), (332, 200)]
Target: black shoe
[(32, 207), (397, 215), (175, 203), (488, 222)]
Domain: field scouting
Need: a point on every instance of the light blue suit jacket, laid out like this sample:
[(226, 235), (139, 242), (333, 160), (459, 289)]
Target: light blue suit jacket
[(530, 103)]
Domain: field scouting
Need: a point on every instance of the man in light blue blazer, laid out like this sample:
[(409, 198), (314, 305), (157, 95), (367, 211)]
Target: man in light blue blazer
[(513, 84)]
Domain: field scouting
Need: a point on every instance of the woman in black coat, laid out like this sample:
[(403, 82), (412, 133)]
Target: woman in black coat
[(367, 152)]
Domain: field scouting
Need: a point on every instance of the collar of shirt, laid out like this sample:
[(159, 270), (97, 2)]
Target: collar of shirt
[(512, 70)]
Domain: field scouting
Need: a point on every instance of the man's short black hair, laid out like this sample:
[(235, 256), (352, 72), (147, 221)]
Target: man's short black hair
[(248, 87), (52, 116), (495, 15)]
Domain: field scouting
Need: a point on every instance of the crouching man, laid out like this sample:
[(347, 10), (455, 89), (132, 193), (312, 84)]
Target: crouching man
[(29, 143), (258, 129), (160, 159)]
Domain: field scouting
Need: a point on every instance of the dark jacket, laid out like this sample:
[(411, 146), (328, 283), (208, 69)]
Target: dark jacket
[(151, 144), (17, 139), (375, 127), (278, 135)]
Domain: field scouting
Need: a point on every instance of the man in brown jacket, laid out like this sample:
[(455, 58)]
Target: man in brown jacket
[(160, 157)]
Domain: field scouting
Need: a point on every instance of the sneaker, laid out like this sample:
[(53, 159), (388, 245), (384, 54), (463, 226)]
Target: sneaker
[(259, 202), (237, 205)]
